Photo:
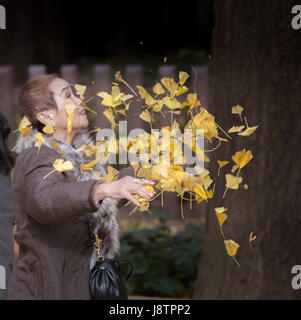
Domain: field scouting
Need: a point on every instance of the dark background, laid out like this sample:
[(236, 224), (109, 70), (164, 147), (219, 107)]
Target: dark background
[(53, 32)]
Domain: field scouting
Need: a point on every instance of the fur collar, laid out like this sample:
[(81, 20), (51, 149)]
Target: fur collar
[(105, 218)]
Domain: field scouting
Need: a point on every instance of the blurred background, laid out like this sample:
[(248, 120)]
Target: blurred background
[(236, 52)]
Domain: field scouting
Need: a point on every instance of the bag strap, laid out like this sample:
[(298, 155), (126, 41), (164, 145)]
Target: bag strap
[(99, 256), (126, 261)]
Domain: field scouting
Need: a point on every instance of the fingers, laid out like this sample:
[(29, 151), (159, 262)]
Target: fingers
[(144, 181), (132, 199), (144, 193)]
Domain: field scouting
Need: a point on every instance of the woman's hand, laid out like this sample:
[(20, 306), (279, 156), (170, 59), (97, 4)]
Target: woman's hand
[(124, 188)]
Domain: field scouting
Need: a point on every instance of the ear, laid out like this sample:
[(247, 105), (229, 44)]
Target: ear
[(46, 117)]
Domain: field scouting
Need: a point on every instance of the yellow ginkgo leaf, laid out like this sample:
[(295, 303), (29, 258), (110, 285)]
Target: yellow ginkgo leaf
[(181, 90), (24, 128), (241, 158), (87, 108), (220, 209), (113, 145), (89, 166), (222, 217), (143, 202), (232, 247), (183, 76), (251, 238), (171, 103), (221, 164), (146, 116), (70, 108), (170, 85), (113, 99), (135, 166), (48, 129), (112, 175), (57, 147), (232, 181), (237, 110), (80, 90), (192, 101), (61, 166), (23, 124), (40, 141), (108, 113), (158, 89), (121, 111), (249, 130), (235, 129)]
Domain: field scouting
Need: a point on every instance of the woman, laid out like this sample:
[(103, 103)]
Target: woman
[(7, 211), (54, 215)]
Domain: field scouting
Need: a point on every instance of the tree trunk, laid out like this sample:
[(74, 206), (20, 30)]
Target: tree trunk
[(256, 64)]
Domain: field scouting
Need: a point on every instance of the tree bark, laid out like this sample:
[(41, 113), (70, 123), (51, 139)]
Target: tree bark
[(256, 64)]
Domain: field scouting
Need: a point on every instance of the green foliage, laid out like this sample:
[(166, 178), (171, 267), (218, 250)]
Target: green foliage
[(165, 265)]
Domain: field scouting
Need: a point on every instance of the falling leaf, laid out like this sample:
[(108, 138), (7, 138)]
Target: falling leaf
[(246, 186), (232, 247), (251, 238), (232, 181), (87, 108), (249, 130), (88, 166), (110, 116), (80, 90), (112, 175), (61, 166), (122, 111), (158, 89), (40, 141), (237, 110), (119, 78), (235, 129), (171, 103), (95, 130), (24, 128), (170, 85), (164, 59), (221, 164), (183, 76), (220, 209), (70, 108), (135, 166), (241, 158), (146, 116), (222, 217), (48, 129), (56, 146), (192, 101)]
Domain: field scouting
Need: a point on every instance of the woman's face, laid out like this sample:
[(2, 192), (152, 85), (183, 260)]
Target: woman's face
[(62, 95)]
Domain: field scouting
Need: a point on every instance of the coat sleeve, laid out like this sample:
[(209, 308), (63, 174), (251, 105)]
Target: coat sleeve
[(53, 200)]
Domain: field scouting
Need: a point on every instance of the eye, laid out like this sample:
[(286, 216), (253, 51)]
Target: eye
[(68, 95)]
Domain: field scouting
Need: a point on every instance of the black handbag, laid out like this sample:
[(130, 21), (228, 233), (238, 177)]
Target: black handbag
[(105, 281)]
